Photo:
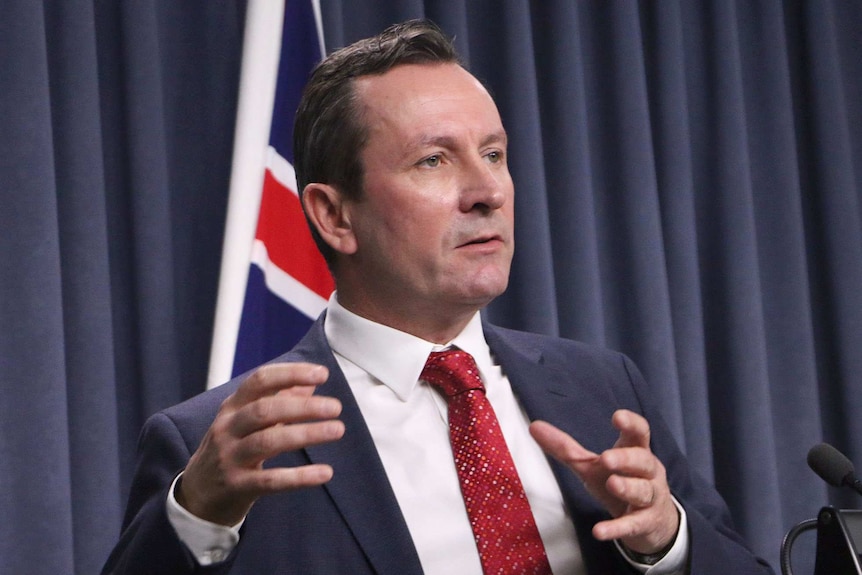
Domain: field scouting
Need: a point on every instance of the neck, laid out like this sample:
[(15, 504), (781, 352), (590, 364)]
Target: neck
[(431, 325)]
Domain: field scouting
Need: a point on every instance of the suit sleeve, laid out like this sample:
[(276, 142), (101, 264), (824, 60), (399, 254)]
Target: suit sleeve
[(148, 542), (715, 547)]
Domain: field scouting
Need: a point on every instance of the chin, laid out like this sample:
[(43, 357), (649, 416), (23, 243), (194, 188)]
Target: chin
[(482, 293), (475, 287)]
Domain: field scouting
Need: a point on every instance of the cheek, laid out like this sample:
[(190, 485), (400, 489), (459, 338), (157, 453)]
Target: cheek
[(400, 240), (406, 220), (418, 221), (418, 241)]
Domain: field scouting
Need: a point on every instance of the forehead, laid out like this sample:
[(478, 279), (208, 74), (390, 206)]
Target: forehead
[(415, 98)]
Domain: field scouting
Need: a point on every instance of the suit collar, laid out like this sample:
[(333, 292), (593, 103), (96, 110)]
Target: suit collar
[(391, 356)]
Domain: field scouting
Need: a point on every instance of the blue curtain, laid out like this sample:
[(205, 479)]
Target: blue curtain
[(116, 121), (687, 191)]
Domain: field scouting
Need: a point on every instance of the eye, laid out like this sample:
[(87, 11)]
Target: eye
[(494, 156), (431, 161)]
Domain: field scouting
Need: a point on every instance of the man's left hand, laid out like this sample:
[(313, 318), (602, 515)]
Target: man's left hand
[(628, 480)]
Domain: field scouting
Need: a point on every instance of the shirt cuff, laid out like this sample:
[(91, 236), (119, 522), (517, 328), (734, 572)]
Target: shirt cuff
[(208, 542), (674, 561)]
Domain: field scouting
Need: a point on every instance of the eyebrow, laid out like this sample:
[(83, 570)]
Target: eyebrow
[(450, 142)]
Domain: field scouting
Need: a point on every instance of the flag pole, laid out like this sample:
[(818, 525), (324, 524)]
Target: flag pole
[(261, 50)]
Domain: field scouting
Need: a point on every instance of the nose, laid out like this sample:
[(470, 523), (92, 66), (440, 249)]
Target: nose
[(484, 186)]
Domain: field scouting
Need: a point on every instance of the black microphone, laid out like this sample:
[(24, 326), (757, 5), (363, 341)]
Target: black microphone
[(833, 467), (835, 548)]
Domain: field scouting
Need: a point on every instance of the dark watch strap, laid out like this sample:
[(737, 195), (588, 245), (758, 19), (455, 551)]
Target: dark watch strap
[(650, 559)]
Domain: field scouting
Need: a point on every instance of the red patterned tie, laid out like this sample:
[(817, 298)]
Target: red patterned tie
[(500, 515)]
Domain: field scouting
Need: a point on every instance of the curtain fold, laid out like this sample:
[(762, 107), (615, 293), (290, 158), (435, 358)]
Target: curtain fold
[(687, 178), (671, 135), (85, 306), (32, 340), (832, 160)]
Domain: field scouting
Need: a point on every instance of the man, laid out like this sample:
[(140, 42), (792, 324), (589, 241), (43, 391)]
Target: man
[(336, 458)]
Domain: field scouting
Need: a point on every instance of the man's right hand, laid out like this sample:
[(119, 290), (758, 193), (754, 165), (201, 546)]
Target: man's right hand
[(271, 412)]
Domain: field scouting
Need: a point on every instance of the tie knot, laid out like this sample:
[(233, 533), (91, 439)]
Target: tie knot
[(454, 371)]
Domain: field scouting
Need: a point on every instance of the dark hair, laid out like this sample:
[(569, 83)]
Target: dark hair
[(329, 132)]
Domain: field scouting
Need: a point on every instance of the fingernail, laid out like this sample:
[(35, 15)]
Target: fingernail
[(332, 408), (335, 428), (320, 372)]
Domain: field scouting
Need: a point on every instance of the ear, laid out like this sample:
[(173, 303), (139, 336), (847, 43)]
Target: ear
[(325, 207)]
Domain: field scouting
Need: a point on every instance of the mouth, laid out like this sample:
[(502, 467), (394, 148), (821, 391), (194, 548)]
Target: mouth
[(483, 240)]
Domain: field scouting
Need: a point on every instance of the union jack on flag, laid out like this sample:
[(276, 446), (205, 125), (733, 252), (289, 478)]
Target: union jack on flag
[(273, 282)]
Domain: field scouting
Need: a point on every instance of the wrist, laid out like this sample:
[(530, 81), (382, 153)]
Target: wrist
[(655, 556), (648, 558)]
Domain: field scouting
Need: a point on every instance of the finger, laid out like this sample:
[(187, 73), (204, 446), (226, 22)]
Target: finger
[(282, 408), (636, 492), (560, 444), (634, 429), (635, 524), (631, 461), (267, 443), (277, 479), (646, 530), (272, 378)]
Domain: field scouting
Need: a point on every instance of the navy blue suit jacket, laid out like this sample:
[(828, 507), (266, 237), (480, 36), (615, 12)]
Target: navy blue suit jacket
[(353, 523)]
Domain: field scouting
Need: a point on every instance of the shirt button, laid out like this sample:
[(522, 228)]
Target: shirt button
[(216, 555)]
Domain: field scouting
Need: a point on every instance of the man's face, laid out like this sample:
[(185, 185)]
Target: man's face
[(434, 225)]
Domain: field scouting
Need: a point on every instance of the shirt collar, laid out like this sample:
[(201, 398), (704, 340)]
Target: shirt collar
[(394, 357)]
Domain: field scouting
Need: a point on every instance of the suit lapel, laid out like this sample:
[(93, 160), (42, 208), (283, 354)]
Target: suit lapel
[(359, 487), (570, 399), (562, 394)]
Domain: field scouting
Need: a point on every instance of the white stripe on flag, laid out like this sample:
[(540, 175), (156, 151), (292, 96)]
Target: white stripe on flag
[(281, 170), (285, 286), (261, 51)]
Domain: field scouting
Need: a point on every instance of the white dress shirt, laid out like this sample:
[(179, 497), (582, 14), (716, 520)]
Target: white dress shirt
[(407, 420)]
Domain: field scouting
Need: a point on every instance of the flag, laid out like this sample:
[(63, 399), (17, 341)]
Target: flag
[(273, 281)]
